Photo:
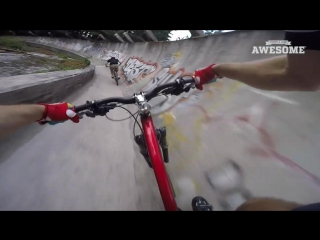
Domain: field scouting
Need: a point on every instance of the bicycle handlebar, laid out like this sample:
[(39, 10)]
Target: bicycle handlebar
[(175, 88), (176, 84)]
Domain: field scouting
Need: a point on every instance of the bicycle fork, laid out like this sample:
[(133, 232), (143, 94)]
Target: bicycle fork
[(198, 203), (162, 139)]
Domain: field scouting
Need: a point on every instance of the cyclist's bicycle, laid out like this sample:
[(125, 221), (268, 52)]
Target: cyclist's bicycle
[(114, 74), (152, 141)]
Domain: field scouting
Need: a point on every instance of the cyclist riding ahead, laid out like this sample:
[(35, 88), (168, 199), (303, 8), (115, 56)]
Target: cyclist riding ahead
[(284, 73), (114, 66)]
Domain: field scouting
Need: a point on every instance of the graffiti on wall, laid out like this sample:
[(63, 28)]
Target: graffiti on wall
[(45, 41), (163, 76), (166, 74), (169, 60), (87, 49), (136, 68)]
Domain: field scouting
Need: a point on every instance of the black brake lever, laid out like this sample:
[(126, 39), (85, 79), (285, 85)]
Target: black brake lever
[(179, 90), (90, 114), (97, 110), (103, 110), (167, 91), (80, 114)]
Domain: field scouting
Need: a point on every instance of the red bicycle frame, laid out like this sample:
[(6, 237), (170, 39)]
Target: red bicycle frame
[(160, 172)]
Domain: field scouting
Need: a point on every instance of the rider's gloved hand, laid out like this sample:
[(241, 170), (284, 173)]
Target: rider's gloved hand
[(58, 112), (205, 75)]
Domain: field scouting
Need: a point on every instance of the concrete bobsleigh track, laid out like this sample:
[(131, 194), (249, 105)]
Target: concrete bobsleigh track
[(94, 165)]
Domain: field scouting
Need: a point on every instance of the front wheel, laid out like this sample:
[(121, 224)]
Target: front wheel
[(115, 75), (200, 204)]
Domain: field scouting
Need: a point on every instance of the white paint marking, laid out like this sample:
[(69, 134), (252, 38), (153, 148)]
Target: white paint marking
[(275, 97)]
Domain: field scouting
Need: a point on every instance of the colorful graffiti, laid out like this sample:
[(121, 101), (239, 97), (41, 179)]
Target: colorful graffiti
[(170, 60), (87, 49), (163, 76), (136, 68)]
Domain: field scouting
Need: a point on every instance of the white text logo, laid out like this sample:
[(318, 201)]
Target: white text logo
[(284, 48)]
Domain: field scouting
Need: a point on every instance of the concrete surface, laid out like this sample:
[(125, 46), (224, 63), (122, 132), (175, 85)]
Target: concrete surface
[(273, 136), (43, 87)]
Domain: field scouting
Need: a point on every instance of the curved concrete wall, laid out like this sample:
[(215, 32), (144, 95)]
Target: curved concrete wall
[(272, 135), (44, 87)]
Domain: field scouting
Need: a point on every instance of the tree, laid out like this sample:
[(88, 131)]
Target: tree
[(162, 35)]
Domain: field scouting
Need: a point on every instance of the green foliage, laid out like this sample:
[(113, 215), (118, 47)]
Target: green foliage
[(63, 63), (61, 55), (12, 43), (162, 35), (86, 62)]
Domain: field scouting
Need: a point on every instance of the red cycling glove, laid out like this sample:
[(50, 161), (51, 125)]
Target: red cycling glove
[(204, 76), (58, 112)]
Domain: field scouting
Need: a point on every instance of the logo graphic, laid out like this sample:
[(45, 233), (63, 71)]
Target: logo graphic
[(272, 47)]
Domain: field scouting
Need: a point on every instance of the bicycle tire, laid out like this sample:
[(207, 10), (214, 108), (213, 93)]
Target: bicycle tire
[(116, 78)]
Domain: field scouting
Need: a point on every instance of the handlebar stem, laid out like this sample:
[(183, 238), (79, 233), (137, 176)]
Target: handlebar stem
[(144, 106)]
